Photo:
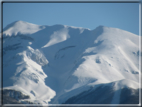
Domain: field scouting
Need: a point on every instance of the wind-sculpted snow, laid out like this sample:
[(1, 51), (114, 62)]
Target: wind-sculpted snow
[(53, 64), (61, 52), (57, 37)]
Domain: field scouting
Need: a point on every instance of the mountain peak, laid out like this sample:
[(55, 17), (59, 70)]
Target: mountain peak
[(19, 21), (14, 24), (20, 27)]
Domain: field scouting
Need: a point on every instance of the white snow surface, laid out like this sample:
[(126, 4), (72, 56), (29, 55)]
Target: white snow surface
[(22, 28), (62, 61), (57, 37)]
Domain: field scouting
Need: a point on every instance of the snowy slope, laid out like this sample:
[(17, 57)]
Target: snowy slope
[(54, 63)]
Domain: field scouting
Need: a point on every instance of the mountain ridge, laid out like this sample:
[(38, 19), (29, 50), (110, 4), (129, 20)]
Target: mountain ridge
[(63, 61)]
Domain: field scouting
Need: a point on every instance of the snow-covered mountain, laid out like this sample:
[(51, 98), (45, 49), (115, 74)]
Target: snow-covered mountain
[(57, 64)]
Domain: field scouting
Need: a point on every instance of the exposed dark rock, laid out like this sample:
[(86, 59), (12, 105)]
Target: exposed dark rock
[(104, 95), (12, 96), (129, 96)]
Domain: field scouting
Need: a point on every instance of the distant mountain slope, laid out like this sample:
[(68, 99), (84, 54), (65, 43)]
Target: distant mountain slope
[(53, 64), (107, 94)]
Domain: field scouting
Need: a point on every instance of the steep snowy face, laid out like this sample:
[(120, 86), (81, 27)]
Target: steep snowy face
[(51, 64), (24, 70), (110, 55), (113, 55)]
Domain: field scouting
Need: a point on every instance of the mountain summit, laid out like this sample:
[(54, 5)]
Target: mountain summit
[(62, 64), (21, 27)]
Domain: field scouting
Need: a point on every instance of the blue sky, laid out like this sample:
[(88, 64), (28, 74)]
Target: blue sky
[(88, 15)]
